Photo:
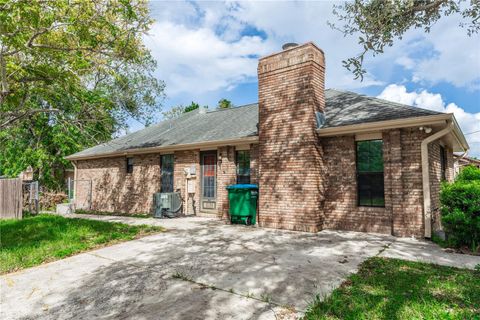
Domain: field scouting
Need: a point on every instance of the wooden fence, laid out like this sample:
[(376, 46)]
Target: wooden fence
[(11, 202)]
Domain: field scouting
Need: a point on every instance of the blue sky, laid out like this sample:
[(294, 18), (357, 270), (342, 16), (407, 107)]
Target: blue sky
[(209, 50)]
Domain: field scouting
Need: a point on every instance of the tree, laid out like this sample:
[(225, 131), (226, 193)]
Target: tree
[(225, 104), (191, 107), (379, 23), (71, 74), (174, 112), (177, 111)]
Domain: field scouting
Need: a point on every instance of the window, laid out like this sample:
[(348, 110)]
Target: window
[(129, 165), (166, 178), (443, 162), (370, 173), (243, 166)]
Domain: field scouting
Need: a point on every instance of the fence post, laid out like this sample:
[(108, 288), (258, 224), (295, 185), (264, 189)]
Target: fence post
[(11, 198)]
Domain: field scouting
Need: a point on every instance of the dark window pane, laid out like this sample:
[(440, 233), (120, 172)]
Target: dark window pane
[(443, 163), (243, 179), (370, 182), (166, 179), (243, 166), (129, 165)]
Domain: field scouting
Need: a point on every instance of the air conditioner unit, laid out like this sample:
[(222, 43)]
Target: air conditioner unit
[(167, 204)]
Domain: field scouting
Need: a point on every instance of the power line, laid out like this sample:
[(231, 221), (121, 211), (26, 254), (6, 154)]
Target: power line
[(471, 132)]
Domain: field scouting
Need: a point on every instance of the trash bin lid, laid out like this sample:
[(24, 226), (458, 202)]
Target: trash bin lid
[(243, 186)]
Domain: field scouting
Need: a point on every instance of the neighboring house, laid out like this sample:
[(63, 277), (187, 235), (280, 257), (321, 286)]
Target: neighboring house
[(460, 161), (323, 159)]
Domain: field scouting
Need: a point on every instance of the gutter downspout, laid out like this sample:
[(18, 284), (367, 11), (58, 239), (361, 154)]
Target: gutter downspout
[(427, 205)]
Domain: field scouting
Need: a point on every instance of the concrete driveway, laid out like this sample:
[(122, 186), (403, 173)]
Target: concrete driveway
[(198, 269)]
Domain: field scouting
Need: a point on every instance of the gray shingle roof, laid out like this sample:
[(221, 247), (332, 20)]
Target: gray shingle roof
[(346, 108), (342, 108), (191, 127)]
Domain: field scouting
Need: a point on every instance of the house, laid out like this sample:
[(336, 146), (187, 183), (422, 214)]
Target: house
[(460, 161), (323, 159)]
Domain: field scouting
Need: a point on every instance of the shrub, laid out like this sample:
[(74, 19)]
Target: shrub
[(461, 213), (469, 173)]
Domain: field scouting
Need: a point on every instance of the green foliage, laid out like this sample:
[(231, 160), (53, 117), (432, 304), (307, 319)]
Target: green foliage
[(191, 107), (43, 238), (396, 289), (225, 104), (461, 211), (379, 23), (174, 112), (71, 74), (177, 111), (469, 173)]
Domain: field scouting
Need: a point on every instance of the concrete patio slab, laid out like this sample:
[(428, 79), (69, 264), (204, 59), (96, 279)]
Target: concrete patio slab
[(198, 269)]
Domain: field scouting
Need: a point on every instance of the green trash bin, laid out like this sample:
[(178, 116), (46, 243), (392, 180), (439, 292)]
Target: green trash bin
[(243, 203)]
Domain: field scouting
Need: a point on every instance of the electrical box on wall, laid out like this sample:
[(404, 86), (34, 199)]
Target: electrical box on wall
[(190, 171)]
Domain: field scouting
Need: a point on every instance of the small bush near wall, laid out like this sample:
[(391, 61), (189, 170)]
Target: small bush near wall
[(461, 210), (469, 173)]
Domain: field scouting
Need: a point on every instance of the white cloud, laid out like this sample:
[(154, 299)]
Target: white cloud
[(457, 58), (195, 60), (199, 47), (446, 54), (469, 122), (405, 62)]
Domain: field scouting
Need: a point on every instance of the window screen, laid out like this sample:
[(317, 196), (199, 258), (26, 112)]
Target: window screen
[(129, 165), (443, 163), (370, 173), (243, 166), (166, 179), (209, 172)]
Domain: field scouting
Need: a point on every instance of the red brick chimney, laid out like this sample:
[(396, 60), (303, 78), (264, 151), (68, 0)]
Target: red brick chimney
[(290, 90)]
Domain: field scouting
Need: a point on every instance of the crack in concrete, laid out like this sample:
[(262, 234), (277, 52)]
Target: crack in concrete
[(384, 247), (269, 302)]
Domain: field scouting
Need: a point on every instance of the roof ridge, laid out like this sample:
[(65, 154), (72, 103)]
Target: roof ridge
[(234, 107)]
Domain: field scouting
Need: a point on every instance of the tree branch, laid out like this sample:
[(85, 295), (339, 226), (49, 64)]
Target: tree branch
[(16, 117)]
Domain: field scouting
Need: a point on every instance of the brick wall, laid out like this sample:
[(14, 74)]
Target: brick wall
[(254, 163), (340, 206), (113, 189), (409, 221), (403, 211), (291, 90), (226, 175), (185, 160), (436, 179)]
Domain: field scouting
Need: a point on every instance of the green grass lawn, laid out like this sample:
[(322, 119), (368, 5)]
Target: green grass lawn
[(120, 214), (43, 238), (396, 289)]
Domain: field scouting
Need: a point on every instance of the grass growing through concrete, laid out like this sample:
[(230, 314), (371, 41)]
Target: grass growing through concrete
[(43, 238), (396, 289)]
